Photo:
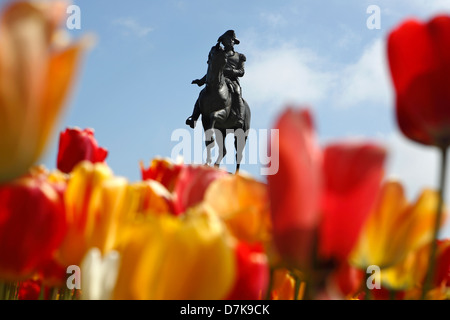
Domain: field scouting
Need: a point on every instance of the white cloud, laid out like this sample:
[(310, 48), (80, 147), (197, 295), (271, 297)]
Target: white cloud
[(287, 73), (273, 19), (367, 80), (284, 74), (430, 7), (132, 26)]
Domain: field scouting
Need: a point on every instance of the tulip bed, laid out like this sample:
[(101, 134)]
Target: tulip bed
[(327, 225)]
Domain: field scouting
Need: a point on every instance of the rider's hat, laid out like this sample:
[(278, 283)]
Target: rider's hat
[(230, 34)]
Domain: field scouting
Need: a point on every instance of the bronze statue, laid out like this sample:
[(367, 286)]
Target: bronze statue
[(220, 103)]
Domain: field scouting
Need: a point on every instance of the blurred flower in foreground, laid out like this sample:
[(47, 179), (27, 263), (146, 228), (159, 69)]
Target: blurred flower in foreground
[(162, 170), (295, 189), (96, 204), (409, 273), (419, 59), (320, 200), (32, 225), (243, 203), (283, 287), (35, 78), (99, 274), (395, 228), (190, 257), (76, 145), (192, 183), (252, 273)]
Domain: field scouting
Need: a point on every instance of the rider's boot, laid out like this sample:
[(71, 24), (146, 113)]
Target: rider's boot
[(240, 114), (195, 115)]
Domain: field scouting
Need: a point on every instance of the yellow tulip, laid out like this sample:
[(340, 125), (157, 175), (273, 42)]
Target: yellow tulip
[(395, 228), (243, 204), (177, 258), (35, 79), (409, 273), (96, 205)]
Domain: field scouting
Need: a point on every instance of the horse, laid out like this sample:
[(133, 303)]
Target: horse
[(215, 104)]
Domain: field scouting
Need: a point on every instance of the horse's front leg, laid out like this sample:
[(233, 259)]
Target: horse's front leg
[(220, 137), (209, 142)]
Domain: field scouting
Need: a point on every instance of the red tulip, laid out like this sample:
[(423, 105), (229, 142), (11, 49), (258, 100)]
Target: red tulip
[(32, 225), (419, 59), (348, 280), (163, 171), (252, 273), (76, 145), (192, 184), (295, 189), (442, 275), (352, 177), (319, 205)]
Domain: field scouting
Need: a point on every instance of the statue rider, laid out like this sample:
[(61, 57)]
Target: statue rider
[(234, 69)]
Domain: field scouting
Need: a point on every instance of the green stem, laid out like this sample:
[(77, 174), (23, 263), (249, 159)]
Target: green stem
[(366, 287), (270, 286), (432, 260), (2, 290), (298, 283)]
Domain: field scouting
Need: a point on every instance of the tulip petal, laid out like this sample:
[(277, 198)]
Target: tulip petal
[(353, 174), (295, 189)]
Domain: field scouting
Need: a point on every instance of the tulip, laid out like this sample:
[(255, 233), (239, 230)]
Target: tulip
[(162, 170), (150, 197), (442, 275), (191, 186), (99, 274), (283, 287), (76, 145), (252, 276), (32, 225), (395, 228), (352, 177), (320, 199), (168, 258), (419, 60), (409, 273), (243, 204), (345, 282), (96, 206), (294, 190), (32, 289), (35, 79)]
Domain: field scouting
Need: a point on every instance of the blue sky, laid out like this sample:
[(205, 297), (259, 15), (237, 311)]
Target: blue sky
[(134, 86)]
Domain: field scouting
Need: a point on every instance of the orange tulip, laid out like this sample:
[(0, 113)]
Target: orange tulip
[(35, 78), (243, 203)]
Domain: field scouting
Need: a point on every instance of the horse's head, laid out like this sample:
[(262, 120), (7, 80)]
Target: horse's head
[(217, 57)]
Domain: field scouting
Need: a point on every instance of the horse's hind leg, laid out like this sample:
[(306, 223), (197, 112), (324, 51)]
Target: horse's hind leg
[(220, 137), (209, 146), (209, 140), (240, 139)]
